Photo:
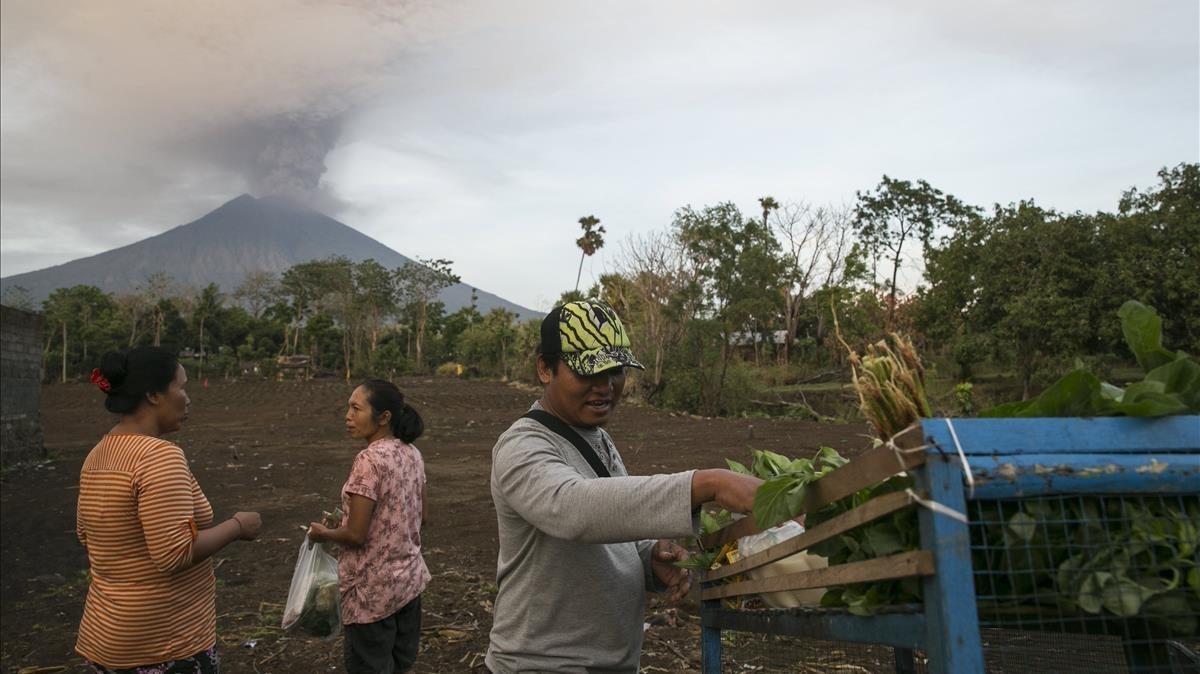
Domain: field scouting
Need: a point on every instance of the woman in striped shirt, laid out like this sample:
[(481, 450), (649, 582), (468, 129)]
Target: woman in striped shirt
[(148, 529)]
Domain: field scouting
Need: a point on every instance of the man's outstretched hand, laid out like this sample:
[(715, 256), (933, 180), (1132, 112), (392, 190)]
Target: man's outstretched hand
[(732, 491)]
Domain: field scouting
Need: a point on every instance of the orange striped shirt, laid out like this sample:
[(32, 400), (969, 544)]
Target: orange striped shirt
[(138, 514)]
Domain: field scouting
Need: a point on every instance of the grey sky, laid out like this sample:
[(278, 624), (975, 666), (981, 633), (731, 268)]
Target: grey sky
[(481, 132)]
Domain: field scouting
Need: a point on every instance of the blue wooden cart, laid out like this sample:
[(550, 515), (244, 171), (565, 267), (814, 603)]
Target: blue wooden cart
[(1083, 475)]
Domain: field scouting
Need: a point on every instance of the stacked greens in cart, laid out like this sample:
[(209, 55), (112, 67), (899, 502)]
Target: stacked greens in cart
[(1091, 555)]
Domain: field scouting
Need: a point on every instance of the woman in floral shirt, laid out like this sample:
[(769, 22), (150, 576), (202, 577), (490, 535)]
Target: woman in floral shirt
[(381, 573)]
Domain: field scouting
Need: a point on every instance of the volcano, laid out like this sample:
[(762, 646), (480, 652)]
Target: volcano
[(244, 235)]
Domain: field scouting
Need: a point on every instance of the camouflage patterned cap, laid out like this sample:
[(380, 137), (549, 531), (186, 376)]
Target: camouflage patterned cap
[(588, 336)]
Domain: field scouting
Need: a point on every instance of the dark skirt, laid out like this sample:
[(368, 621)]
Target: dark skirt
[(204, 662)]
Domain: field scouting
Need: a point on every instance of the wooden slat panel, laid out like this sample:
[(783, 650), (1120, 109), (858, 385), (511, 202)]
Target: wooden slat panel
[(866, 470), (904, 565), (731, 532), (869, 511)]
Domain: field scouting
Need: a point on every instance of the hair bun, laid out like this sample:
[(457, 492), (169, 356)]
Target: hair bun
[(114, 367)]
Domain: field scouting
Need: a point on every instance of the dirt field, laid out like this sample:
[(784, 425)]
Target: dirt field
[(279, 448)]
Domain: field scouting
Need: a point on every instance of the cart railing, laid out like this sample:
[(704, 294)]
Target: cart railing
[(1005, 458)]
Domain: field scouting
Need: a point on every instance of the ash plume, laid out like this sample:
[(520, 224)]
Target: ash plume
[(292, 158), (186, 102)]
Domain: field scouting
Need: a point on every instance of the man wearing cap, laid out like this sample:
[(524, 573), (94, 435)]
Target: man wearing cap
[(578, 546)]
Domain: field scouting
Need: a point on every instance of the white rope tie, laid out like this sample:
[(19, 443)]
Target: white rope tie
[(913, 497), (901, 451), (936, 507), (963, 457)]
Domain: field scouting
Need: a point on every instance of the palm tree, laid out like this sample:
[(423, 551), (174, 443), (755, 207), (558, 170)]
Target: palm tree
[(768, 204), (591, 241), (207, 304)]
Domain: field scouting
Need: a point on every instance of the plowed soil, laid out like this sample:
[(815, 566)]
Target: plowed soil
[(279, 448)]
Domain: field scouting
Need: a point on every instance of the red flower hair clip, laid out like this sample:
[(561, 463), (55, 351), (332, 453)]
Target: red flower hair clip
[(100, 381)]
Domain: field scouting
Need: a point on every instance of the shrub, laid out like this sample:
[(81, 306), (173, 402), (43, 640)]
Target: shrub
[(693, 390), (964, 398)]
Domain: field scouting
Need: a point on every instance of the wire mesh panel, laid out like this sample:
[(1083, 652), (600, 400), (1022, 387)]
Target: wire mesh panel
[(1010, 651), (1088, 583), (746, 652)]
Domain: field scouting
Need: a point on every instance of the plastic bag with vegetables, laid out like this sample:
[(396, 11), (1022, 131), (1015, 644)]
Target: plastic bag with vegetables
[(313, 604)]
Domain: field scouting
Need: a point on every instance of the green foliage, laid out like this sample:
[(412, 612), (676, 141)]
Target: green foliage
[(1171, 386), (490, 344), (1150, 250), (968, 350), (693, 389), (1023, 290), (591, 241), (781, 497), (738, 274), (899, 213), (80, 324), (964, 398), (1033, 288), (454, 325), (389, 358), (1142, 329), (418, 285)]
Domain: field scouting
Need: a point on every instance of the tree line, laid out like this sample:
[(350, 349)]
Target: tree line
[(720, 303)]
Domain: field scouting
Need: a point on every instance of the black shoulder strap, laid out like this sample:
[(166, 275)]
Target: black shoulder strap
[(559, 426)]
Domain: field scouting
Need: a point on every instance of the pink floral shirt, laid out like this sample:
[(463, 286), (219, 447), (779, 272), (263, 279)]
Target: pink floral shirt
[(385, 573)]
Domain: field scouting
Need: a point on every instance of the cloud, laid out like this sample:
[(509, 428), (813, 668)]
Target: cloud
[(125, 108), (482, 131)]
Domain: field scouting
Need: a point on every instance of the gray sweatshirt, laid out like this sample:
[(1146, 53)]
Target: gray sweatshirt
[(574, 560)]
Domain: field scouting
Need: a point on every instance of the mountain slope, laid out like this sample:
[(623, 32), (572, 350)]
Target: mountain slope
[(243, 235)]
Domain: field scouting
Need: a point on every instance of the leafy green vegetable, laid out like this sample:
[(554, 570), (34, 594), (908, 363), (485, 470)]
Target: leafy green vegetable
[(1117, 556), (887, 536), (1171, 384), (699, 561), (781, 497), (321, 616), (1142, 329), (709, 522)]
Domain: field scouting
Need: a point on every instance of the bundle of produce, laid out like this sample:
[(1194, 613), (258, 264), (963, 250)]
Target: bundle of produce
[(776, 503), (313, 601), (321, 616), (780, 499), (890, 382)]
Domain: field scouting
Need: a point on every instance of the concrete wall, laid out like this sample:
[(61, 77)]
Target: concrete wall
[(20, 385)]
